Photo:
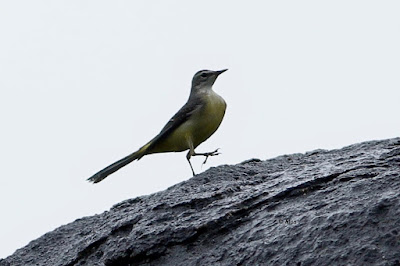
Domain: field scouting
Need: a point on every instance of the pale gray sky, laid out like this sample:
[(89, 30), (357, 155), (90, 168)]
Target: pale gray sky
[(84, 83)]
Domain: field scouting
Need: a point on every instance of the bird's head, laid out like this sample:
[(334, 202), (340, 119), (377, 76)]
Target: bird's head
[(205, 78)]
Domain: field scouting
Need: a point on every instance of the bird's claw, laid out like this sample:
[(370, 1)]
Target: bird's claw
[(213, 153)]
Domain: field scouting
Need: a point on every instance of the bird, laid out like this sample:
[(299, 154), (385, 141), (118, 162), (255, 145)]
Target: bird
[(194, 123)]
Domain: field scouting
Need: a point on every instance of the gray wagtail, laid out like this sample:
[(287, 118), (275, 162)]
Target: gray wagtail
[(195, 122)]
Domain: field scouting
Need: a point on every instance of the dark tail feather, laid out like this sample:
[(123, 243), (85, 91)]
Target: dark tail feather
[(115, 167)]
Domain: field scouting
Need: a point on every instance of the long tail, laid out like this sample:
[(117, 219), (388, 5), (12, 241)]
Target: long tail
[(99, 176)]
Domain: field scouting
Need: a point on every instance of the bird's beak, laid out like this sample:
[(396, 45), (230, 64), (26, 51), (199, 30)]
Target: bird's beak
[(220, 71)]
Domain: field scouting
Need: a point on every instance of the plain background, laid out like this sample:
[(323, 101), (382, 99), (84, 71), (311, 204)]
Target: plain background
[(84, 83)]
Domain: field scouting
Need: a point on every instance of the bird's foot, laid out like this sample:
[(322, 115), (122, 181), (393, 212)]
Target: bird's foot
[(207, 154)]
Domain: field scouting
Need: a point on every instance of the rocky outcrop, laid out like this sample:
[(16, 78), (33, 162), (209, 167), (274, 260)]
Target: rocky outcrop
[(339, 207)]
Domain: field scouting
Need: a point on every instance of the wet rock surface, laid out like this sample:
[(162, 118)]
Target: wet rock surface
[(339, 207)]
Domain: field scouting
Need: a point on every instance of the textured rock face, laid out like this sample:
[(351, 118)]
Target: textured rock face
[(319, 208)]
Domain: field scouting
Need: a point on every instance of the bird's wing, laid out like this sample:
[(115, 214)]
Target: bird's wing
[(178, 119)]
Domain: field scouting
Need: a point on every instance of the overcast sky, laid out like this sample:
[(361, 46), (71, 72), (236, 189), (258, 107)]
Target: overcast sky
[(84, 83)]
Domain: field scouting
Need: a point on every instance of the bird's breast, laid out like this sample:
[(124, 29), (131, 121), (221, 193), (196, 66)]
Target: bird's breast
[(200, 126), (208, 118)]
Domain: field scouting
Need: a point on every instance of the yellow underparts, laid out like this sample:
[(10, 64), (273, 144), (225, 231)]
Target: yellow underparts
[(199, 127)]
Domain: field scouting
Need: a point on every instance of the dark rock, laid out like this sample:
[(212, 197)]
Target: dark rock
[(337, 207)]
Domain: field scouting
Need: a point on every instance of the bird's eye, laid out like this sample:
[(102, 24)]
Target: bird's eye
[(203, 75)]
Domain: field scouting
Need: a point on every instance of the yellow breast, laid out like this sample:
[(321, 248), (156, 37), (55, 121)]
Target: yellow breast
[(208, 119), (199, 127)]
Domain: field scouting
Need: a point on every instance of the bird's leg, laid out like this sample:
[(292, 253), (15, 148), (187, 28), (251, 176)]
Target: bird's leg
[(188, 155), (206, 154)]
